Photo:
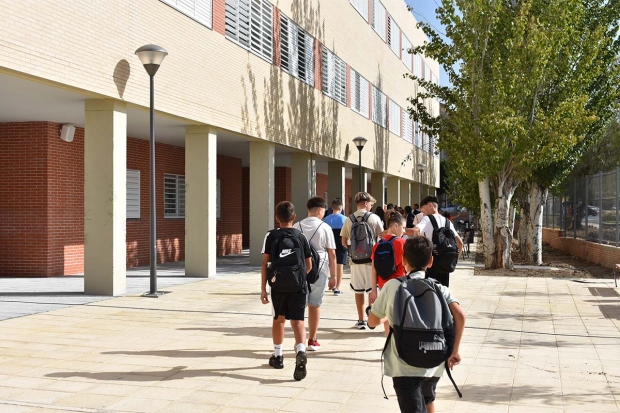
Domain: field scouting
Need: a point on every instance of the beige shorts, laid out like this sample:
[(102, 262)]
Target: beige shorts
[(361, 278)]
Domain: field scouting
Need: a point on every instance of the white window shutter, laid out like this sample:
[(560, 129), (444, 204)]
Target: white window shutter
[(133, 194), (394, 36), (243, 23), (364, 97), (379, 101), (204, 12), (406, 58), (395, 113), (378, 18), (231, 20), (417, 135), (362, 7), (309, 59), (340, 87), (407, 126), (285, 44), (261, 18)]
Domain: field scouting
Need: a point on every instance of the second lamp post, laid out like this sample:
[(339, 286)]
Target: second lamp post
[(360, 142)]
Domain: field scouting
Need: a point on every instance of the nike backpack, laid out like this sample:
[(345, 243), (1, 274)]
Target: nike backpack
[(315, 272), (445, 250), (385, 260), (362, 240), (423, 329), (287, 272)]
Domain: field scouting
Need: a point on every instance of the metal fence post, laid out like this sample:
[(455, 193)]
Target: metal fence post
[(587, 209), (553, 212), (575, 209), (617, 205), (564, 195), (600, 207)]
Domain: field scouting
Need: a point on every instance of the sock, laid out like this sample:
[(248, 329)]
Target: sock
[(300, 347), (277, 350)]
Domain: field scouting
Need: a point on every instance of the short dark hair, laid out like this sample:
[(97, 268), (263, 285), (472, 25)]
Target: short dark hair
[(337, 203), (417, 252), (285, 211), (316, 202), (416, 206), (430, 199), (408, 209), (394, 217), (390, 206)]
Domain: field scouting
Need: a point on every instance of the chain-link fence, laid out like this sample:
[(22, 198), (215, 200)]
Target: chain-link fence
[(588, 208)]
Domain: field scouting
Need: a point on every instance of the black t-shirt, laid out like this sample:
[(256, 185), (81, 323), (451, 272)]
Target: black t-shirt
[(274, 233)]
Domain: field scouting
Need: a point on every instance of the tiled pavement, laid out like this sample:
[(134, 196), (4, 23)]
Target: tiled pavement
[(531, 345)]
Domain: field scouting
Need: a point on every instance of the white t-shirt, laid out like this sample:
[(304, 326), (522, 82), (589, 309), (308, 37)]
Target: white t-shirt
[(384, 307), (320, 236), (426, 228)]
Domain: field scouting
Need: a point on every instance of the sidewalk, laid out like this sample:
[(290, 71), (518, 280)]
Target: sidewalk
[(531, 345)]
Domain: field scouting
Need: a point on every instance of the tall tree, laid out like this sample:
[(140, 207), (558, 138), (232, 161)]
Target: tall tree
[(509, 55)]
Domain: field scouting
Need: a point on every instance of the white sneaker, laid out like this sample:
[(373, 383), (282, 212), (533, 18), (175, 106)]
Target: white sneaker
[(361, 325)]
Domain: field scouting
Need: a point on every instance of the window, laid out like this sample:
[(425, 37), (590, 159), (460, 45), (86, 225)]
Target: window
[(407, 126), (406, 57), (174, 196), (394, 36), (199, 10), (379, 103), (362, 7), (427, 73), (249, 23), (359, 94), (417, 67), (395, 113), (378, 18), (426, 142), (133, 194), (334, 82), (297, 51), (417, 135)]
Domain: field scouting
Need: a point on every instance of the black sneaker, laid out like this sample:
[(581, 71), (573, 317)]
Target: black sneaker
[(276, 362), (300, 366)]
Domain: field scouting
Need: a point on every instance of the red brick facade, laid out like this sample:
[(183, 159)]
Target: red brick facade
[(42, 183), (604, 255)]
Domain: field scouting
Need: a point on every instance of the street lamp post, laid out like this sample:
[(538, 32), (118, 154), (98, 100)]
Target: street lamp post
[(151, 57), (421, 169), (360, 142)]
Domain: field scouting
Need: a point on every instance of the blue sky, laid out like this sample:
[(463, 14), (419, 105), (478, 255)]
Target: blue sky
[(424, 10)]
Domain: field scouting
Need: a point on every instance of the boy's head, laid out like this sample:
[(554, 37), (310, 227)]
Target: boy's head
[(395, 223), (285, 213), (408, 209), (389, 207), (416, 206), (316, 207), (337, 205), (417, 254), (364, 200), (430, 205)]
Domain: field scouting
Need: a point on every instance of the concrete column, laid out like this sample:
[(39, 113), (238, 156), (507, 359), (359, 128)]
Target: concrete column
[(355, 177), (200, 201), (336, 181), (393, 185), (105, 197), (262, 208), (405, 193), (377, 180), (303, 181), (416, 193)]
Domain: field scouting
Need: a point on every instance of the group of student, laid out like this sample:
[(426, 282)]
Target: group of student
[(404, 268)]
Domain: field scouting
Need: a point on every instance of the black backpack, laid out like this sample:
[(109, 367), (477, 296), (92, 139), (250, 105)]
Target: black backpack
[(423, 329), (287, 272), (315, 272), (445, 250), (385, 261)]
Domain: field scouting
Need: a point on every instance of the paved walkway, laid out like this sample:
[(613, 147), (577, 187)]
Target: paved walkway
[(531, 345)]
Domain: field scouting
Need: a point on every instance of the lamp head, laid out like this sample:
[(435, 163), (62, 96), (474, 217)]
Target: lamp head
[(151, 57), (360, 142), (421, 167)]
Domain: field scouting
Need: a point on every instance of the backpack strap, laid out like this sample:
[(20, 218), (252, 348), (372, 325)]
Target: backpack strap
[(365, 217), (447, 368), (352, 218), (447, 223), (315, 231), (387, 342), (433, 222)]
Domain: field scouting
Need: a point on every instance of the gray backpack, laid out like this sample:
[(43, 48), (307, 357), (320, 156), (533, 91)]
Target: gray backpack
[(423, 329), (362, 239)]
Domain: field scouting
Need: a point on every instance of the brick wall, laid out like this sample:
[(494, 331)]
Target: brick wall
[(229, 226), (245, 206), (322, 186), (604, 255)]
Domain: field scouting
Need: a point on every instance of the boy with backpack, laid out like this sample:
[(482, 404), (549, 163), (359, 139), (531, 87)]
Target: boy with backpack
[(387, 257), (323, 247), (426, 327), (361, 230), (336, 220), (286, 261)]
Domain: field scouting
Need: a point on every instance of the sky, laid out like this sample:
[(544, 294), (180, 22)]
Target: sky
[(424, 10)]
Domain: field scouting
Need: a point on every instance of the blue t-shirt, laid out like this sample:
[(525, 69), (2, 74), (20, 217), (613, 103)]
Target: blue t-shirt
[(336, 221)]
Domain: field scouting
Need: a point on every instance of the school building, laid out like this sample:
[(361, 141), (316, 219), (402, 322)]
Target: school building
[(257, 102)]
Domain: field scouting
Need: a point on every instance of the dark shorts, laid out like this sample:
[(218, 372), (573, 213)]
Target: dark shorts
[(342, 257), (414, 393), (443, 279), (291, 305)]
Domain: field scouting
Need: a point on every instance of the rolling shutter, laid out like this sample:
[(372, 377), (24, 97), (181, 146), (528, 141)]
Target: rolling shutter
[(417, 67), (359, 94), (407, 126), (297, 51), (407, 57), (394, 36), (249, 23), (379, 107), (362, 7), (417, 135), (133, 194), (395, 113), (378, 18), (334, 72), (199, 10)]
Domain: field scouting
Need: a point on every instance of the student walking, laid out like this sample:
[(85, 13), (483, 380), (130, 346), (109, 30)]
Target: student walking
[(286, 261), (336, 220), (321, 238), (361, 230), (433, 327), (387, 257)]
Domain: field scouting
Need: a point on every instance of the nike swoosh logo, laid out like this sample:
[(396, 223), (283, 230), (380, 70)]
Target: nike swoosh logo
[(286, 254)]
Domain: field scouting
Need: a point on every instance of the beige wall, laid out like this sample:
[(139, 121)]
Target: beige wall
[(208, 79)]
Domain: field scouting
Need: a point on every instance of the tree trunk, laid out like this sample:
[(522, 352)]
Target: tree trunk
[(486, 222), (524, 206), (538, 199), (512, 214), (503, 236)]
